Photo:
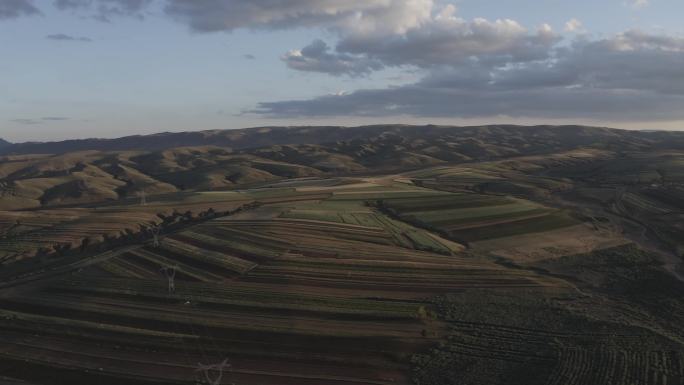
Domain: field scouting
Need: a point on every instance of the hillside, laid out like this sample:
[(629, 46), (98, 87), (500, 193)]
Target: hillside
[(108, 170)]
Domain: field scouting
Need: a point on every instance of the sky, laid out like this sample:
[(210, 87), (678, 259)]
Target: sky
[(110, 68)]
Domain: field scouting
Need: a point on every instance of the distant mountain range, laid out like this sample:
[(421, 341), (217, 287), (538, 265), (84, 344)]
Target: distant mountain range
[(268, 136)]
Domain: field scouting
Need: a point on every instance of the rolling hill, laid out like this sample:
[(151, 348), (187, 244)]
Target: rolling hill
[(86, 171)]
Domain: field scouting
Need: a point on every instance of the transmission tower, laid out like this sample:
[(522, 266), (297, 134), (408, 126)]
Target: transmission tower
[(155, 236), (215, 368), (170, 273)]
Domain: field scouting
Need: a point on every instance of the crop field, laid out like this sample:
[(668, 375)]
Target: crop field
[(292, 299), (313, 282), (473, 217), (354, 210), (491, 338), (27, 233)]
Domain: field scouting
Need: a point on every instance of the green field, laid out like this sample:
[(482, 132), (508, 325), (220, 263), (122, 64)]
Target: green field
[(476, 217)]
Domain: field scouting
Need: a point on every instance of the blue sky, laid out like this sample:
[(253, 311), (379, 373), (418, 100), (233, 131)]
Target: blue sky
[(150, 67)]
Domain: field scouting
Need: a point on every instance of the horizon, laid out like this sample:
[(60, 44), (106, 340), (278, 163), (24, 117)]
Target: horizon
[(112, 68)]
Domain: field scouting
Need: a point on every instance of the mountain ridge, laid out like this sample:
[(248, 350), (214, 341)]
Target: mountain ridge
[(255, 137)]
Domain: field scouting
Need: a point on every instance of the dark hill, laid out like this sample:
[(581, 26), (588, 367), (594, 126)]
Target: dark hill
[(563, 136)]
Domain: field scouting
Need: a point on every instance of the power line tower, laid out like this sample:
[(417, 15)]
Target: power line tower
[(170, 273), (217, 368), (155, 236)]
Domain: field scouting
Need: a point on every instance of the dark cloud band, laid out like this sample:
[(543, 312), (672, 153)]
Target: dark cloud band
[(10, 9)]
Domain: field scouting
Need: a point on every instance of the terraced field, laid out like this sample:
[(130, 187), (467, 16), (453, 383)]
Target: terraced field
[(355, 210), (25, 234), (307, 283), (473, 217), (287, 300)]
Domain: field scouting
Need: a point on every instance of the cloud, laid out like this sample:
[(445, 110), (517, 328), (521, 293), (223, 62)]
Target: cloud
[(34, 121), (573, 25), (249, 56), (638, 4), (454, 103), (442, 39), (630, 76), (63, 37), (25, 121), (11, 9), (228, 15), (316, 57), (104, 10), (454, 42)]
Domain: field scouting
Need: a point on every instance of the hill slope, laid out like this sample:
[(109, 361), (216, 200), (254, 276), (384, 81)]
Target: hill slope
[(246, 157)]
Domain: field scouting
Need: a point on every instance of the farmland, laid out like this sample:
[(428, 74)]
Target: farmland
[(36, 232), (499, 225), (473, 263), (348, 285), (298, 290)]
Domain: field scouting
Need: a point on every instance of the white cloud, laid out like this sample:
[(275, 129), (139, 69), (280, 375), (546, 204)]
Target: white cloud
[(573, 25), (439, 40), (316, 57), (640, 3), (361, 16)]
